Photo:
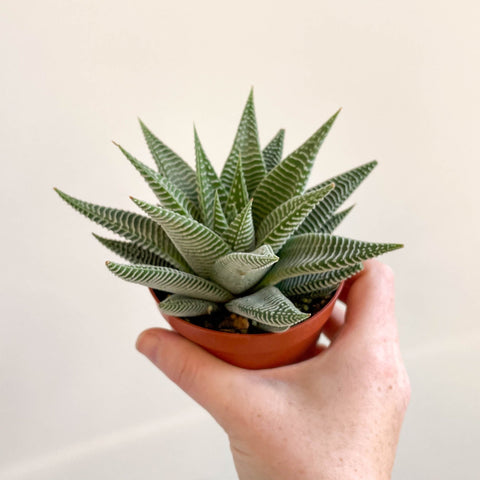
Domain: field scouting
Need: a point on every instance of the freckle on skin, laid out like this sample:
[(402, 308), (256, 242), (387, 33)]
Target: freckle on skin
[(390, 387)]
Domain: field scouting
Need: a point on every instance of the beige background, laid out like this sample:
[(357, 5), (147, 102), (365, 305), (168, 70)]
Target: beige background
[(76, 400)]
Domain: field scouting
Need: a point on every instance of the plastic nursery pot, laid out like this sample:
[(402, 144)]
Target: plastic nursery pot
[(258, 350)]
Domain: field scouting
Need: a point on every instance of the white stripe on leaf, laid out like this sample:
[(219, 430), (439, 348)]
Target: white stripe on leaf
[(239, 271), (246, 145), (199, 245), (170, 280), (345, 184), (238, 195), (240, 235), (290, 176), (207, 184), (132, 252), (269, 308), (169, 195), (170, 165), (219, 221), (318, 252), (279, 225), (272, 153), (183, 306), (132, 226), (318, 283)]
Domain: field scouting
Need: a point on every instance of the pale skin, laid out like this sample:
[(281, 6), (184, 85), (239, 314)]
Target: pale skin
[(335, 416)]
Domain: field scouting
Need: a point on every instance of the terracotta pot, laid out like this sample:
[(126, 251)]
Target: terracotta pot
[(258, 350)]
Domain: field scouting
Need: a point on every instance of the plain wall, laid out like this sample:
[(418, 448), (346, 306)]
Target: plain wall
[(77, 401)]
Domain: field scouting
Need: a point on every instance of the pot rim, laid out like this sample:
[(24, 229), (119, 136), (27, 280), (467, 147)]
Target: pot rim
[(260, 335)]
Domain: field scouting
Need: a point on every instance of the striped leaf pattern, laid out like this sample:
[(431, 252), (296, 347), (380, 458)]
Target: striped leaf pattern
[(272, 153), (219, 221), (169, 195), (279, 225), (238, 271), (246, 145), (334, 221), (240, 235), (132, 252), (238, 196), (290, 176), (207, 184), (269, 308), (170, 165), (199, 245), (170, 280), (183, 306), (318, 252), (132, 226), (318, 283), (345, 184)]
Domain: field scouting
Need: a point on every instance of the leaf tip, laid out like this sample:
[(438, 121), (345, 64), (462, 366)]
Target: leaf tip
[(136, 201)]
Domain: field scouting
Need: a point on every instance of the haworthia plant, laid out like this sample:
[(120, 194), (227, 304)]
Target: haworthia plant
[(247, 242)]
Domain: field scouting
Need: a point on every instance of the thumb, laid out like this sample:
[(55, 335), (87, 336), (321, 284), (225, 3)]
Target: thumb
[(207, 379), (370, 314)]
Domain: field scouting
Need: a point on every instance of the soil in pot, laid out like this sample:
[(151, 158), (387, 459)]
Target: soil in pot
[(225, 321)]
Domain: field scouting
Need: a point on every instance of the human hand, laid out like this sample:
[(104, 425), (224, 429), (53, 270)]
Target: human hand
[(335, 416)]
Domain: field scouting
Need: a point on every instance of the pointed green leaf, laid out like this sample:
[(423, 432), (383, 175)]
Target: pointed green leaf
[(246, 145), (199, 246), (345, 184), (182, 306), (239, 271), (290, 176), (132, 252), (169, 195), (207, 184), (272, 153), (238, 196), (170, 280), (318, 283), (132, 226), (318, 252), (334, 221), (171, 165), (219, 221), (279, 225), (240, 235), (269, 308)]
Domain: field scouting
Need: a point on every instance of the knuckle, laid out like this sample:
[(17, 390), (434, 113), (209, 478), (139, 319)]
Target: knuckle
[(388, 371), (383, 361)]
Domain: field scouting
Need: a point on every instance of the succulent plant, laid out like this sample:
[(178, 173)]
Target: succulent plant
[(247, 242)]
